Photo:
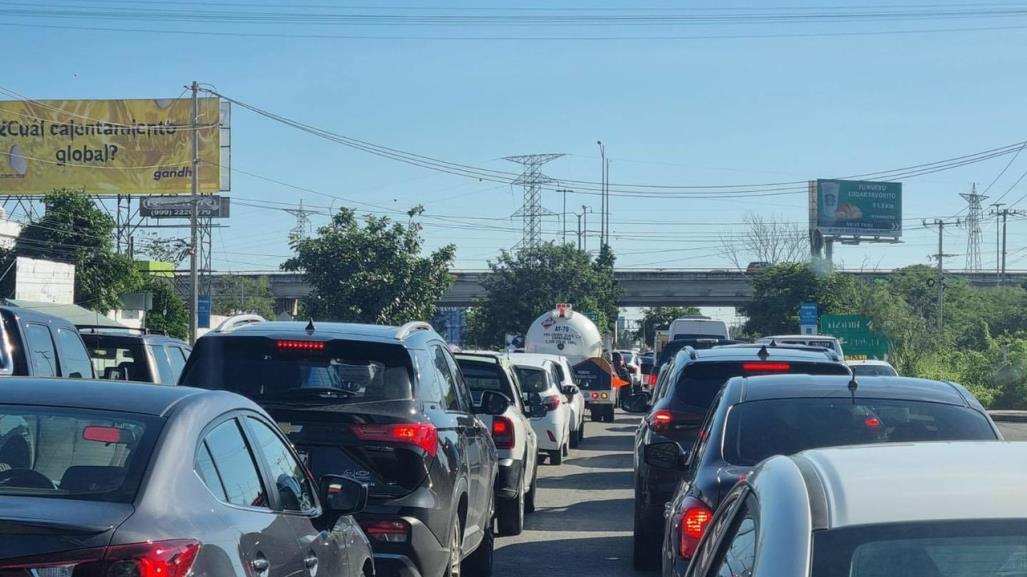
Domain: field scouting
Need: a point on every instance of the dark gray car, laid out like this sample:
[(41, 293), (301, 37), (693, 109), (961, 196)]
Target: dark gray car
[(100, 478)]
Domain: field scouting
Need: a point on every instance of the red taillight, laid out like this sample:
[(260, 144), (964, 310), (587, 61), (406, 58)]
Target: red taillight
[(651, 380), (660, 420), (503, 432), (156, 559), (423, 435), (764, 367), (102, 434), (301, 345), (150, 559), (387, 531), (552, 402), (873, 422), (595, 396), (694, 520)]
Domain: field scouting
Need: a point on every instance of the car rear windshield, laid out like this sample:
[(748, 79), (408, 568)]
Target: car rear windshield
[(925, 549), (873, 371), (532, 380), (301, 371), (699, 382), (483, 376), (759, 429), (121, 357), (73, 454)]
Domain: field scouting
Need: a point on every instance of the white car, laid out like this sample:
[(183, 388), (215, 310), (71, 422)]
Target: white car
[(540, 386), (563, 374), (872, 368), (512, 432), (821, 341)]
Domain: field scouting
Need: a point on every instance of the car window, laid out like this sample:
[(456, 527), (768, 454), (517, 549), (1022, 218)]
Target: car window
[(759, 429), (697, 383), (313, 372), (558, 374), (177, 357), (291, 482), (164, 369), (873, 371), (42, 354), (235, 466), (209, 474), (450, 395), (74, 360), (461, 385), (739, 554), (554, 374), (118, 355), (703, 438), (74, 453), (532, 379), (483, 376)]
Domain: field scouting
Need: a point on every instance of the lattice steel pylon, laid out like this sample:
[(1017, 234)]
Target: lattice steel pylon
[(532, 180), (973, 228)]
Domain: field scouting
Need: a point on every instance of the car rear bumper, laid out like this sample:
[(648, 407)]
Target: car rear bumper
[(421, 556), (509, 479)]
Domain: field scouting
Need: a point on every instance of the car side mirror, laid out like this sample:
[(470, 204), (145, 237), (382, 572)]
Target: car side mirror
[(342, 495), (536, 411), (493, 403), (570, 390), (637, 404)]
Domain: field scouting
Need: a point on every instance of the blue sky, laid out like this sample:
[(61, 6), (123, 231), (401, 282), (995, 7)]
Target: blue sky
[(682, 112)]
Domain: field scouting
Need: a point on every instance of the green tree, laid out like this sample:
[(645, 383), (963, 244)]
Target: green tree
[(74, 230), (525, 284), (234, 294), (373, 273), (780, 289), (659, 318), (169, 312)]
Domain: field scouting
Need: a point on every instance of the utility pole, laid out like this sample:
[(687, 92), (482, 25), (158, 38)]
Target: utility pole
[(1002, 252), (563, 215), (194, 217), (974, 216), (579, 229), (940, 256), (602, 192), (998, 239), (583, 233)]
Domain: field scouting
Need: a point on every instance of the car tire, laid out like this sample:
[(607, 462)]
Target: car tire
[(456, 553), (581, 432), (510, 515), (594, 415), (555, 457), (479, 563), (645, 557), (574, 438), (529, 498), (608, 417)]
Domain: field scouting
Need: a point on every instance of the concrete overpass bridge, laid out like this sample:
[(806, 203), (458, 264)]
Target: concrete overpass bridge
[(640, 288)]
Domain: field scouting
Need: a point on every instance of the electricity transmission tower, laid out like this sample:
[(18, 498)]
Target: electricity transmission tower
[(302, 227), (973, 229), (532, 180)]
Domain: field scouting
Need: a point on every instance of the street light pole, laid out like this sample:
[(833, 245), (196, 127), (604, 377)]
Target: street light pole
[(602, 188), (563, 215), (194, 245)]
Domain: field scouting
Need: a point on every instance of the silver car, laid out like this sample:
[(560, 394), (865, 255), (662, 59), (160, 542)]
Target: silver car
[(919, 509)]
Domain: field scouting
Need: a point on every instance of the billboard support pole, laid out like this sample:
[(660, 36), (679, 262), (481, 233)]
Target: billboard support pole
[(194, 247)]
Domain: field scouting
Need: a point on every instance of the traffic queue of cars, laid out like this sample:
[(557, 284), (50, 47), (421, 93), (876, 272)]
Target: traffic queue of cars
[(714, 496), (335, 449)]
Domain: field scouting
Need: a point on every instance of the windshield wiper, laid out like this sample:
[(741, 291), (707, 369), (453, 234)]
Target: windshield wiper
[(323, 392)]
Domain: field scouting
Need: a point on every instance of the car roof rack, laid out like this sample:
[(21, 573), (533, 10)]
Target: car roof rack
[(232, 323), (97, 329), (408, 329)]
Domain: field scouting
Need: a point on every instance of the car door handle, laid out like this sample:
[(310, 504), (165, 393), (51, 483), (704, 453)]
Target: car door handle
[(310, 562), (260, 565)]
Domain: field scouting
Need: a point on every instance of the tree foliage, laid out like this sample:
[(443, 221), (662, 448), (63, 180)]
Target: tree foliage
[(234, 295), (526, 284), (779, 290), (372, 272), (659, 318), (74, 230), (169, 312)]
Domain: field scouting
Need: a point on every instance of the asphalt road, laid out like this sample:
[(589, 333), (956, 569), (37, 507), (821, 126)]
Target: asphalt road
[(1013, 431), (582, 523)]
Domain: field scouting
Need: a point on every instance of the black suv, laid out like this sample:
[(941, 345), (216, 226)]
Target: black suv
[(383, 405), (689, 382), (135, 354)]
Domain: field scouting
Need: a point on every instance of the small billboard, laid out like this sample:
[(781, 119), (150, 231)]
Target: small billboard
[(207, 206), (858, 208)]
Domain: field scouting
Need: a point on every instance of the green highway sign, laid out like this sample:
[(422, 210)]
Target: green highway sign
[(859, 342), (858, 208)]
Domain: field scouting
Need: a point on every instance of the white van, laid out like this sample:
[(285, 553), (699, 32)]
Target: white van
[(697, 327)]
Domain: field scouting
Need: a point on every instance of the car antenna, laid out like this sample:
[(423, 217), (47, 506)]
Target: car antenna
[(764, 353), (310, 327), (853, 385)]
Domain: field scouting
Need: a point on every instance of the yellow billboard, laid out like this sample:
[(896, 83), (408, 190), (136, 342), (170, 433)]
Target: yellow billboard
[(110, 147)]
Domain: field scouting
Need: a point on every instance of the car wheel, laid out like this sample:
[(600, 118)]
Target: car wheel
[(581, 432), (456, 550), (575, 437), (594, 415), (608, 417), (510, 515), (529, 498), (645, 556), (479, 563), (555, 457), (566, 447)]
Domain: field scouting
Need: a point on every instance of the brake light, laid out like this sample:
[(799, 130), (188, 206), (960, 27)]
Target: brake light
[(387, 531), (423, 435), (873, 422), (102, 434), (694, 521), (552, 402), (595, 396), (764, 367), (651, 380), (503, 433), (150, 559), (301, 345), (661, 420)]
